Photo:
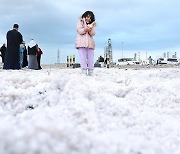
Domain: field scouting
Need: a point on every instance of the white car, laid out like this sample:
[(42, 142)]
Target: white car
[(168, 61), (172, 61), (127, 61), (161, 61)]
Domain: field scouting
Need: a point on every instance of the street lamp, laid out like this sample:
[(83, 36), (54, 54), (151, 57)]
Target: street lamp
[(122, 43)]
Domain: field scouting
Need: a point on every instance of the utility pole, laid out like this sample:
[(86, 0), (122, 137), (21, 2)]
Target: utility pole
[(122, 44), (110, 51), (139, 56), (58, 57)]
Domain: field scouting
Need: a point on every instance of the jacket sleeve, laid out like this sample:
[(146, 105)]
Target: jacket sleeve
[(92, 32), (80, 29)]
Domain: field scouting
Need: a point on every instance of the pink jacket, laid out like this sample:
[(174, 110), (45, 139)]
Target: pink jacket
[(84, 39)]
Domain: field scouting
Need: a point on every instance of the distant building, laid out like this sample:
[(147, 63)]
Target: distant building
[(164, 55), (175, 55), (108, 52), (135, 56)]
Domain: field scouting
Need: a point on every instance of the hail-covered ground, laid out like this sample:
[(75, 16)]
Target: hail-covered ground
[(117, 111)]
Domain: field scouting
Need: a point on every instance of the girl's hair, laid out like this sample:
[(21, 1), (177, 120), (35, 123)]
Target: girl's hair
[(89, 13)]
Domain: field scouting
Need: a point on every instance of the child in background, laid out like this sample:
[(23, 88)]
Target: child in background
[(85, 43), (21, 51), (39, 53)]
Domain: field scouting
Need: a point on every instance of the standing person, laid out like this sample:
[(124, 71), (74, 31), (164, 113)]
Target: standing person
[(39, 53), (3, 51), (32, 55), (85, 43), (25, 61), (14, 39), (21, 53), (150, 60)]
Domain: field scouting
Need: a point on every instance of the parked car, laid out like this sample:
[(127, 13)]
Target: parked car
[(168, 61), (172, 61), (127, 61), (161, 61)]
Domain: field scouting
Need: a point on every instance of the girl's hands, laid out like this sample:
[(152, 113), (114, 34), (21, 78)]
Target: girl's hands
[(84, 20), (87, 29)]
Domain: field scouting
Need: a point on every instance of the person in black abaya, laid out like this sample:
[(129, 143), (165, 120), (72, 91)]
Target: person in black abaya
[(32, 55), (25, 61), (14, 39), (3, 51)]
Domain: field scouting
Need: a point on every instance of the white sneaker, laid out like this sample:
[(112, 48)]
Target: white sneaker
[(90, 72), (84, 71)]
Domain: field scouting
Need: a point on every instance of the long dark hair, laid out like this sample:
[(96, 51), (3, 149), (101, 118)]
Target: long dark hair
[(89, 13)]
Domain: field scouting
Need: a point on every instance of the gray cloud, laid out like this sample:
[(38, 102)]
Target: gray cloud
[(141, 25)]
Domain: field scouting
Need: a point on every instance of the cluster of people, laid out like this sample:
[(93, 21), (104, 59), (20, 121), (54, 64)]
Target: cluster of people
[(85, 44), (15, 55)]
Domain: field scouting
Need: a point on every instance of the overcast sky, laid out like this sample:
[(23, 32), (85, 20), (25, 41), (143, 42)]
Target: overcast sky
[(151, 26)]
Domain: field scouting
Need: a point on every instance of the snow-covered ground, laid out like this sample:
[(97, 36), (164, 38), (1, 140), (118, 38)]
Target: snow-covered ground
[(116, 111)]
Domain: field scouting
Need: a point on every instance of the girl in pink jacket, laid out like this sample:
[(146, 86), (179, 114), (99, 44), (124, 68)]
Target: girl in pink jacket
[(85, 43)]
